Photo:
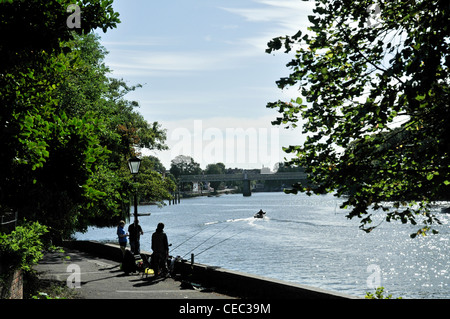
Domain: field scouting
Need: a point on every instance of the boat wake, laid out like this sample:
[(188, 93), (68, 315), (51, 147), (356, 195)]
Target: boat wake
[(251, 220)]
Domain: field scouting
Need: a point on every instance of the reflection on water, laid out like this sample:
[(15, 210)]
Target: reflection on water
[(306, 240)]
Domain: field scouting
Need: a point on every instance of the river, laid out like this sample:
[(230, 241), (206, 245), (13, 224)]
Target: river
[(303, 239)]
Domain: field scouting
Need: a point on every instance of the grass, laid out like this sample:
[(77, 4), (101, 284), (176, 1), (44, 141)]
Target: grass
[(38, 288)]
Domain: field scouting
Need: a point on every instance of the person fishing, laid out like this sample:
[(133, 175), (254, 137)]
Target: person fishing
[(135, 232), (160, 247), (122, 235)]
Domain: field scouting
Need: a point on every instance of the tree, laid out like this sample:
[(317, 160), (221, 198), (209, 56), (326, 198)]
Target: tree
[(218, 168), (44, 150), (374, 83), (66, 128), (154, 186), (184, 165), (283, 167), (120, 130), (87, 89)]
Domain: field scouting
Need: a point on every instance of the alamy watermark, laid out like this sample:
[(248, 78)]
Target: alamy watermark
[(74, 20), (232, 145), (374, 279), (74, 279)]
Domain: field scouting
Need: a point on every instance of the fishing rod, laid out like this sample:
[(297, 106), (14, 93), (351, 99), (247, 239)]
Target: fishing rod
[(188, 239), (205, 241), (221, 242)]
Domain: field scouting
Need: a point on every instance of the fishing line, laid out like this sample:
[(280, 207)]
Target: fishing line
[(188, 239), (205, 241), (220, 242)]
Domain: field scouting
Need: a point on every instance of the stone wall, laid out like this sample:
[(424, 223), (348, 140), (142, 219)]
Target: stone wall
[(244, 285), (13, 288)]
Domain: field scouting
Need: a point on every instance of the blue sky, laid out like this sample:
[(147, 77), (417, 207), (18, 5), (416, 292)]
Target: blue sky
[(206, 76)]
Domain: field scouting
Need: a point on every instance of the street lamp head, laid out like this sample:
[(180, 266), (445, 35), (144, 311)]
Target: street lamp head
[(134, 164)]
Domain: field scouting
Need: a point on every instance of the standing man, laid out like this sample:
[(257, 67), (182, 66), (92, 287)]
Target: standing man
[(122, 237), (135, 232), (160, 247)]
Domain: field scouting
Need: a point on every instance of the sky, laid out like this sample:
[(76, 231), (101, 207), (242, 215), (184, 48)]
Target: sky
[(206, 76)]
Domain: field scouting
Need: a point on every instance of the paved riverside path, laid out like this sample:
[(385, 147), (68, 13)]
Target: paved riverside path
[(101, 278)]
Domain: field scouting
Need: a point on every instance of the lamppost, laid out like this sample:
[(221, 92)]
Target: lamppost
[(134, 164)]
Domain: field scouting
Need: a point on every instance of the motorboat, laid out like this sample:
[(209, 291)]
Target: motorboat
[(260, 214)]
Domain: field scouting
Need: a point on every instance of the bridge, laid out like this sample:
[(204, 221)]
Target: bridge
[(244, 177)]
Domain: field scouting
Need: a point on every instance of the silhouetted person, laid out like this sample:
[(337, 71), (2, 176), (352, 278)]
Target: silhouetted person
[(135, 232), (160, 247)]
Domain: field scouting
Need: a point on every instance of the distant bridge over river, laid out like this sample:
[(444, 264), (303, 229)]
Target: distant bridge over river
[(244, 177)]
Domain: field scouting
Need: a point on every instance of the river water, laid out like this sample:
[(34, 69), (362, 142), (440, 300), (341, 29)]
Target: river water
[(303, 239)]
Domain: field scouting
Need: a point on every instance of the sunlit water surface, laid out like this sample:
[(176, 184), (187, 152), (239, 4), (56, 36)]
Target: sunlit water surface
[(305, 240)]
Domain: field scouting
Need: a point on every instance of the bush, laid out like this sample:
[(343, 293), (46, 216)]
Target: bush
[(22, 248), (379, 294)]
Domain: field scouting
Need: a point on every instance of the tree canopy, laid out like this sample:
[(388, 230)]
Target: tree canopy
[(184, 165), (217, 168), (373, 81), (67, 129)]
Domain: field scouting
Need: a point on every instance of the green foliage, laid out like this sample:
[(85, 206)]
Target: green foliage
[(374, 106), (41, 26), (22, 248), (44, 295), (153, 186), (66, 129), (379, 294), (88, 90), (218, 168), (184, 165), (48, 155)]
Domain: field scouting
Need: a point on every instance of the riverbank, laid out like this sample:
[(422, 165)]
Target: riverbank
[(92, 276), (303, 240), (225, 282)]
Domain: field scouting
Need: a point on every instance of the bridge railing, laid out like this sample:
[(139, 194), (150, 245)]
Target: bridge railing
[(242, 176)]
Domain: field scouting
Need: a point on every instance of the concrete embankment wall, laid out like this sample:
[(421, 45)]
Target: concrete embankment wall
[(229, 282)]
